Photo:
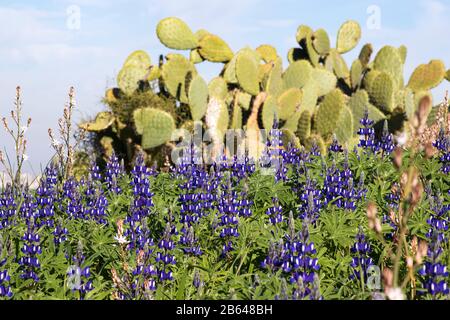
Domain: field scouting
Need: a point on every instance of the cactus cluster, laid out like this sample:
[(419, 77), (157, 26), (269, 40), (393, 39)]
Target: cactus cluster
[(315, 97)]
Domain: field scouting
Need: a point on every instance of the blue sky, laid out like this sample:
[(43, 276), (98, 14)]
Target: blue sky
[(42, 54)]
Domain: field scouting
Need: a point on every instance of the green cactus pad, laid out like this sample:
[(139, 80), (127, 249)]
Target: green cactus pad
[(304, 126), (292, 122), (388, 60), (267, 52), (217, 87), (310, 96), (369, 77), (264, 71), (313, 56), (344, 128), (214, 49), (382, 92), (325, 80), (403, 52), (288, 102), (328, 113), (427, 76), (321, 42), (174, 73), (447, 75), (297, 74), (200, 33), (303, 32), (365, 54), (356, 71), (338, 64), (244, 100), (198, 97), (268, 112), (156, 126), (195, 57), (230, 71), (348, 36), (274, 85), (236, 120), (176, 34), (102, 121), (247, 72), (138, 58), (358, 103), (129, 77)]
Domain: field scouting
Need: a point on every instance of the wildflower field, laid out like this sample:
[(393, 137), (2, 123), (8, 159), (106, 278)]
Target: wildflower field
[(345, 196)]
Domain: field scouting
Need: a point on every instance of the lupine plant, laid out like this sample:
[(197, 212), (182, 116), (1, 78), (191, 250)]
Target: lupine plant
[(314, 224)]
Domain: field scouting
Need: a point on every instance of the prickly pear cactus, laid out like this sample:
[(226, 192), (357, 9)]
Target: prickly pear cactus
[(317, 95), (176, 34), (427, 76), (155, 126), (348, 36)]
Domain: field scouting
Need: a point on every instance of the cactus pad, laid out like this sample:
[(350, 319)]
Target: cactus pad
[(267, 53), (244, 100), (304, 126), (214, 49), (176, 34), (138, 58), (365, 54), (427, 76), (382, 92), (174, 73), (156, 126), (403, 52), (318, 141), (102, 121), (236, 120), (344, 129), (288, 102), (338, 65), (274, 85), (356, 71), (328, 113), (321, 42), (247, 72), (310, 96), (388, 60), (217, 87), (268, 112), (195, 57), (198, 97), (129, 77), (348, 36), (325, 80), (358, 103), (297, 74)]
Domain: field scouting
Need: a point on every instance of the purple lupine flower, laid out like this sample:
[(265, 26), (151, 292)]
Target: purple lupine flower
[(335, 146), (361, 259), (386, 142), (5, 288), (189, 241), (164, 255), (275, 212), (113, 173), (442, 143), (29, 262), (141, 205), (7, 207), (367, 133)]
